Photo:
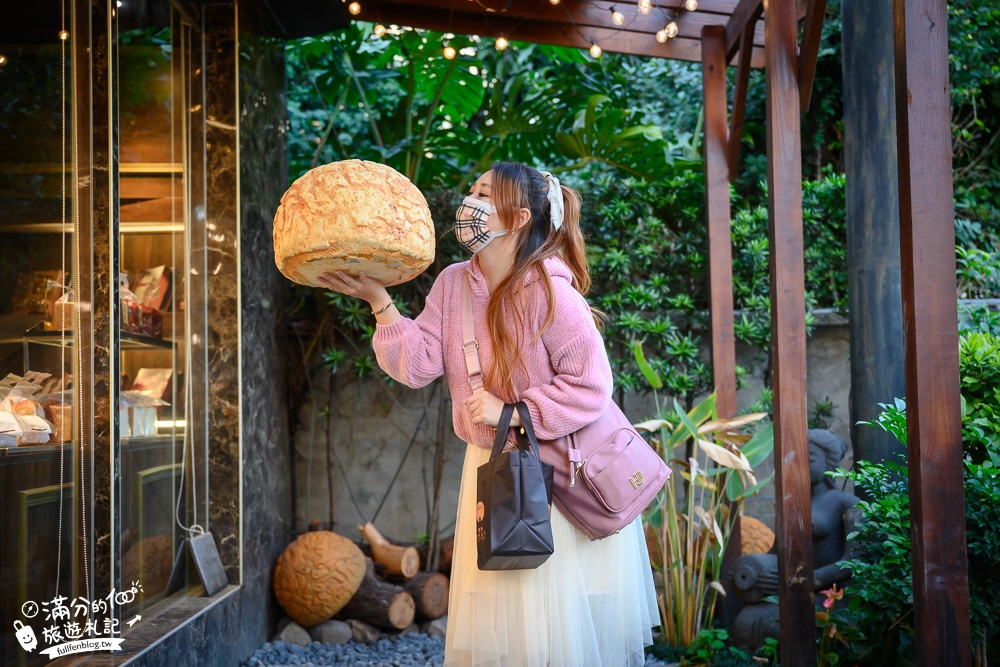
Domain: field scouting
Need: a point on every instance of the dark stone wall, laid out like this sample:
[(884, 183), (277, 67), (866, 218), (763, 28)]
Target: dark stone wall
[(267, 476)]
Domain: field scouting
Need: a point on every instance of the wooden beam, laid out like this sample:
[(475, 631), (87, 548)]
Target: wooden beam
[(746, 13), (812, 34), (793, 513), (717, 213), (561, 34), (720, 259), (933, 407), (595, 14), (740, 101), (531, 8)]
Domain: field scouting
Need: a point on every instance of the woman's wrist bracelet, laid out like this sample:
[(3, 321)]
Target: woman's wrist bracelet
[(383, 308)]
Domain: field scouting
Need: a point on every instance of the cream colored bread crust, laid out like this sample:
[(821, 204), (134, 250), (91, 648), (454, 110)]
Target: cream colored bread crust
[(354, 216)]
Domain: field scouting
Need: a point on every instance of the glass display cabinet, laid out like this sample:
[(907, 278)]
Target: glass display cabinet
[(102, 313)]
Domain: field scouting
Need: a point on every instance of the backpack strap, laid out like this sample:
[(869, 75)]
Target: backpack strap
[(470, 346)]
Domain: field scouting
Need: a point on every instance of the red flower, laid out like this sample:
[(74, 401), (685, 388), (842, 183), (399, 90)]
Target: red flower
[(832, 594)]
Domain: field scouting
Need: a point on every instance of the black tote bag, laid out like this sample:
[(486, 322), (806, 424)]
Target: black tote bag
[(514, 494)]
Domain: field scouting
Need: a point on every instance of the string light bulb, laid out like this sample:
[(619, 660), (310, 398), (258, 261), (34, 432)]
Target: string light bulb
[(554, 2), (502, 43), (671, 29), (354, 8), (3, 60), (661, 36), (645, 6), (595, 50), (690, 5), (379, 30), (617, 17), (64, 35), (449, 52)]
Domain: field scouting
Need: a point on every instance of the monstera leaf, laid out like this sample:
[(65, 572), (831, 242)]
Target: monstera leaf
[(449, 85), (521, 119), (600, 132), (347, 64)]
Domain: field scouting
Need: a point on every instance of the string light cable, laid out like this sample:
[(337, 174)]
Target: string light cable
[(595, 48), (62, 280), (78, 312), (502, 42), (189, 335), (671, 17)]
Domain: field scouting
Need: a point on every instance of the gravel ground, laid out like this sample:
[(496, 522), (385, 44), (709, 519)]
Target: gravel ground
[(409, 650)]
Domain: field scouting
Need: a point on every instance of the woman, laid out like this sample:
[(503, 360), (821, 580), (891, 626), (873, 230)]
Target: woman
[(590, 603)]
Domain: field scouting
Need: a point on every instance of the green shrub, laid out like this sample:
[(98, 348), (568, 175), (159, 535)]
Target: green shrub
[(647, 241), (878, 620), (979, 360), (648, 263), (978, 317)]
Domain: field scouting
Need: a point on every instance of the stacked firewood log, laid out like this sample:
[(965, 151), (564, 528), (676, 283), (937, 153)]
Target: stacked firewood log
[(394, 592)]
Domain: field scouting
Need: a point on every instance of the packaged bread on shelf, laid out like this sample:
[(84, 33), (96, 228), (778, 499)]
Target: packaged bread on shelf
[(353, 216), (60, 308), (62, 421), (20, 430), (129, 309), (59, 411), (35, 430), (24, 415)]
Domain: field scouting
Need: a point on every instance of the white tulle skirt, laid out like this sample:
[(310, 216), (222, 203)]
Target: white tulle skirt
[(590, 603)]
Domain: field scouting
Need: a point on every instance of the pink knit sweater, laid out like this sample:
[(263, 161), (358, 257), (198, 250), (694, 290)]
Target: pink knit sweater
[(568, 383)]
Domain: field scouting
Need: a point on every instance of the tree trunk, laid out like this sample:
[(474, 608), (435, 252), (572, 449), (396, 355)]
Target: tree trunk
[(445, 550), (397, 560), (430, 595), (331, 466), (431, 563), (380, 603)]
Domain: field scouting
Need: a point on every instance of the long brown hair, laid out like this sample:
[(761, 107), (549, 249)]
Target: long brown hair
[(516, 186)]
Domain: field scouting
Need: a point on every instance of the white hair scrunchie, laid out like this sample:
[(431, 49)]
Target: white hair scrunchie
[(555, 196)]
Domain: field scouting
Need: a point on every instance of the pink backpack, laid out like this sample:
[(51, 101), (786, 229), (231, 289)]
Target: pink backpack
[(606, 474)]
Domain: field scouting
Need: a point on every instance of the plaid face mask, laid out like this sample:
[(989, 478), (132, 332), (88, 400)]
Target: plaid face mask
[(470, 224)]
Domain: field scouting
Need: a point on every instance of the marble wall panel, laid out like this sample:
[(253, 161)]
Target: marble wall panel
[(95, 86), (222, 264)]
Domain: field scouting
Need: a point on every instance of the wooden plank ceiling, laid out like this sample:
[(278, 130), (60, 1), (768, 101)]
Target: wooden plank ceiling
[(578, 23)]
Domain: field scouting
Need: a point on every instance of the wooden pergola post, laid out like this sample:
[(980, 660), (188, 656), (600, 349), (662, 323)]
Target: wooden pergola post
[(927, 248), (793, 513), (717, 214), (872, 216), (720, 261)]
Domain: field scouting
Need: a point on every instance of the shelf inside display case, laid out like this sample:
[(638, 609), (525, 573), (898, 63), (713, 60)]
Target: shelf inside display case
[(17, 329), (123, 168), (154, 441), (124, 228), (129, 341), (14, 453)]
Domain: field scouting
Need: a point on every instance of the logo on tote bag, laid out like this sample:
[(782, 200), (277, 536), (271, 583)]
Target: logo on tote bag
[(480, 514)]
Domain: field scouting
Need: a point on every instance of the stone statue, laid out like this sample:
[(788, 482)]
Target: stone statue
[(829, 505), (755, 576)]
